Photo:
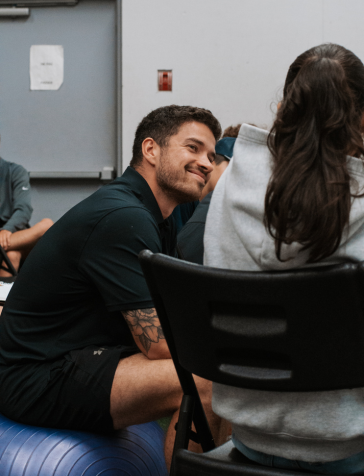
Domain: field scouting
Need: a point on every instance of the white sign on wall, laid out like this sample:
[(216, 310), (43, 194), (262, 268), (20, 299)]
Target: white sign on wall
[(46, 67)]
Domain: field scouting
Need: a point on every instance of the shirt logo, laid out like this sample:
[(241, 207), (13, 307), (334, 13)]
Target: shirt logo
[(100, 351), (25, 188)]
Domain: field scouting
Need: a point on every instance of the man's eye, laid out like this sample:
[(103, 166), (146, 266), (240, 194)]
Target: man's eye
[(193, 147)]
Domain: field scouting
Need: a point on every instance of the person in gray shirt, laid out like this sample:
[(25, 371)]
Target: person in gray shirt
[(290, 198), (17, 238)]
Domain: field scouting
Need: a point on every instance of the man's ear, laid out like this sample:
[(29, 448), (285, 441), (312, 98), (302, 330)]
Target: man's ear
[(151, 151)]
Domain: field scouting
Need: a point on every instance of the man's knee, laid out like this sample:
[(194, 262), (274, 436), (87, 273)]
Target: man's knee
[(143, 390), (40, 228), (45, 223)]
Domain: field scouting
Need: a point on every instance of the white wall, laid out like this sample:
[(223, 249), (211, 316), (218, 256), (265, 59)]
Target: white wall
[(230, 56)]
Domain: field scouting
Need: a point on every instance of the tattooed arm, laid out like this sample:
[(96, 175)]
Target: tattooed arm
[(147, 332)]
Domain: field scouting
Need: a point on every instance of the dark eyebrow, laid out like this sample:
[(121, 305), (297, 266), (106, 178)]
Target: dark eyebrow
[(195, 140), (199, 142)]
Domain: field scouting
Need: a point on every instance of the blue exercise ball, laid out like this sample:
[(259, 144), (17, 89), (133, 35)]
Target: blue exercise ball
[(33, 451)]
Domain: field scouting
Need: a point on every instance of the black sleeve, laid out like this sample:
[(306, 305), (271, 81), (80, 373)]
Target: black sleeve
[(110, 257)]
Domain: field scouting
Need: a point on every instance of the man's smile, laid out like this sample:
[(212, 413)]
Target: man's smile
[(200, 175)]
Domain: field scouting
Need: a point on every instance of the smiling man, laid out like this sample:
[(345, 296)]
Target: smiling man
[(81, 346)]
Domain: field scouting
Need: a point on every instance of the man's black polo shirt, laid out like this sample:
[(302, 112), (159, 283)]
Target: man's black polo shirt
[(82, 273)]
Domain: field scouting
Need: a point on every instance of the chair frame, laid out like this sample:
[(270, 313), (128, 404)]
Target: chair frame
[(9, 266), (158, 270), (191, 409)]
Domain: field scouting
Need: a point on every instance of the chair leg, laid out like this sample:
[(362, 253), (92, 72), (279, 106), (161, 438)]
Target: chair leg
[(183, 427), (205, 437), (10, 268)]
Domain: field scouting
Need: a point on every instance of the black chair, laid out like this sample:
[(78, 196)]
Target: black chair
[(7, 267), (299, 330)]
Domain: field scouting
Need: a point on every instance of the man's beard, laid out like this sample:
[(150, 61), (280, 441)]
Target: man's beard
[(172, 184)]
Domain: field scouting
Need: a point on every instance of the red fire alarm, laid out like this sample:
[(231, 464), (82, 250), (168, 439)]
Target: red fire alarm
[(165, 80)]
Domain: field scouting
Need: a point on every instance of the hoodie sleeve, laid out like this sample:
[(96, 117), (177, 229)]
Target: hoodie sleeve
[(21, 207)]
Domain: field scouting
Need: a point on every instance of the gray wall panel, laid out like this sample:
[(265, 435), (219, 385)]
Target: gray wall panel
[(230, 56), (51, 199)]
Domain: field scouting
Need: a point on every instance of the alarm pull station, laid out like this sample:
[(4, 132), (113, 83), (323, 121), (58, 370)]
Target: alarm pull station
[(165, 80)]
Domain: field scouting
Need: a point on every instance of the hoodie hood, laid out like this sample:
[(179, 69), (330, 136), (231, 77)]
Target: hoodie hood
[(235, 235)]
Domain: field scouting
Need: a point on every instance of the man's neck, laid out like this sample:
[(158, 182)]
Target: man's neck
[(165, 203)]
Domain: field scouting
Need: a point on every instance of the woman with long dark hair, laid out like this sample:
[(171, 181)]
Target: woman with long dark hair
[(294, 197)]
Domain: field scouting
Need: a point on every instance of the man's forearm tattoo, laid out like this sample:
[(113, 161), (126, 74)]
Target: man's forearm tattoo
[(145, 324)]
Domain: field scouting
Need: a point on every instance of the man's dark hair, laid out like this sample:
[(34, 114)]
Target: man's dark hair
[(164, 122)]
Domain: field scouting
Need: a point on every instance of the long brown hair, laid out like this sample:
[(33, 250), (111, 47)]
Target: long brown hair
[(318, 124)]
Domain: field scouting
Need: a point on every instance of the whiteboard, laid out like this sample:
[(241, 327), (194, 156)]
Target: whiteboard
[(72, 129)]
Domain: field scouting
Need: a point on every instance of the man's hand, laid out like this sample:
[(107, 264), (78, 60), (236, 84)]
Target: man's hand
[(147, 332), (5, 239)]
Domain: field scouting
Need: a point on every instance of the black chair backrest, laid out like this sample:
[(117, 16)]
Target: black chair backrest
[(299, 330)]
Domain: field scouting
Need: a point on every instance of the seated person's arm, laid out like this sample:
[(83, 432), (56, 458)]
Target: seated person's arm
[(21, 206), (147, 333)]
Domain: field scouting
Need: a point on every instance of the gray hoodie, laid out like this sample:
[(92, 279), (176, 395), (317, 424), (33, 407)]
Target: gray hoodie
[(15, 207), (314, 426)]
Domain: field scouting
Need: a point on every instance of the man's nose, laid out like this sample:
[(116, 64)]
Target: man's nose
[(205, 163)]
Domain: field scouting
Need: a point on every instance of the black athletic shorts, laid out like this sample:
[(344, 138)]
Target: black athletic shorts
[(77, 392)]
